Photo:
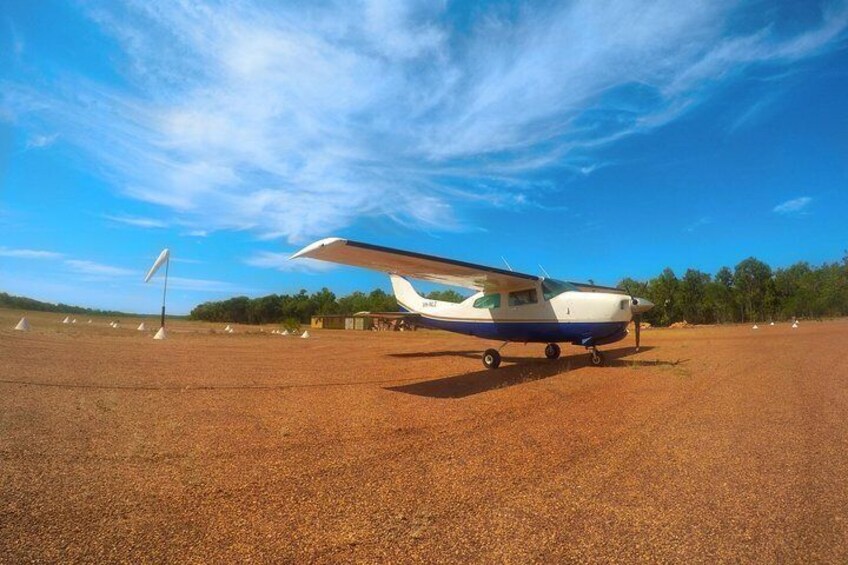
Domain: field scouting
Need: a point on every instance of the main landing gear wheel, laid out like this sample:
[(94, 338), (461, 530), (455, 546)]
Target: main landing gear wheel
[(596, 358), (552, 351), (491, 358)]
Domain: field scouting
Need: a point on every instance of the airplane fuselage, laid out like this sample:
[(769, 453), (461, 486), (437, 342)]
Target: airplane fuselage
[(530, 314)]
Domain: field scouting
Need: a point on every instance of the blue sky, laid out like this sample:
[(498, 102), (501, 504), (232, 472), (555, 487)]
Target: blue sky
[(598, 139)]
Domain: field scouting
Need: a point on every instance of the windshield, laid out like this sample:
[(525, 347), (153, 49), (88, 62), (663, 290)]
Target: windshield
[(553, 287)]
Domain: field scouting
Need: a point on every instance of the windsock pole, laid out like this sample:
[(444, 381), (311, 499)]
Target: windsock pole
[(164, 257), (165, 289)]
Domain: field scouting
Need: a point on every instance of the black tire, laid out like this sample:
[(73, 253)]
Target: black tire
[(596, 358), (491, 358), (552, 351)]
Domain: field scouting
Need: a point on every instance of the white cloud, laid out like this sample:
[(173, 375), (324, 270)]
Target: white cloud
[(298, 122), (205, 285), (187, 261), (794, 206), (28, 253), (699, 223), (281, 262), (98, 269), (18, 45), (149, 223), (40, 141)]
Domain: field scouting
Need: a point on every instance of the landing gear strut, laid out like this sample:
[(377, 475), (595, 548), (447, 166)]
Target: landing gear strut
[(552, 351), (596, 357)]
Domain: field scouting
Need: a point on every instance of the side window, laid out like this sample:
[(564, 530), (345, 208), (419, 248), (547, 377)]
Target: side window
[(489, 301), (522, 297)]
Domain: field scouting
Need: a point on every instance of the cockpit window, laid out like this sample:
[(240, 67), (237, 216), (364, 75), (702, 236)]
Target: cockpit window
[(553, 287), (522, 297), (488, 301)]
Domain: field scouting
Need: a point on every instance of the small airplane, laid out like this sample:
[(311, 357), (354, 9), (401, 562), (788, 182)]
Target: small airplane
[(508, 306)]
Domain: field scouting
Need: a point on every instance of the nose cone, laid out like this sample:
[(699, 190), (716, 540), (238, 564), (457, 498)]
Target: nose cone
[(640, 305)]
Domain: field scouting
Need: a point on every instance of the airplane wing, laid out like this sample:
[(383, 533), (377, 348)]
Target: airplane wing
[(590, 287), (415, 265)]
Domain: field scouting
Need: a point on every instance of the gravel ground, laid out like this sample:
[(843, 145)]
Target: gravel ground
[(712, 444)]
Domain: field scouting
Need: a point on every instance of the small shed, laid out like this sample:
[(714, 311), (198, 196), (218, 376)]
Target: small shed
[(341, 322), (328, 322)]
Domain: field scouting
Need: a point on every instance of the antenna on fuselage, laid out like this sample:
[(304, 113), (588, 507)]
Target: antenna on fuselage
[(547, 276), (505, 262)]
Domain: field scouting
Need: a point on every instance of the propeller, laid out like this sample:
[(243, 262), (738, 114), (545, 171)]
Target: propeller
[(637, 307), (637, 320)]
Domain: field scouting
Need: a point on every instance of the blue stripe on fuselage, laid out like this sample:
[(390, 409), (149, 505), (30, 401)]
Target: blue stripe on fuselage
[(578, 333)]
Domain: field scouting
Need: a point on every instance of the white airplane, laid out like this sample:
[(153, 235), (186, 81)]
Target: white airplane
[(508, 306)]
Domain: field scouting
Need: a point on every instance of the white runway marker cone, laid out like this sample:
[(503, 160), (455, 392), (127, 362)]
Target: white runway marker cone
[(771, 324), (160, 334), (285, 332), (67, 320), (756, 327), (794, 325), (23, 325), (141, 327), (304, 335), (228, 328), (88, 322), (74, 321)]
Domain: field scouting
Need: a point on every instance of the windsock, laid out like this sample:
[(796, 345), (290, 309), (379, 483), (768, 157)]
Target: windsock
[(161, 260)]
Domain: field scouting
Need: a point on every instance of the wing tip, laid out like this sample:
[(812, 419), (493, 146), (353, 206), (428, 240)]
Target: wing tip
[(315, 245)]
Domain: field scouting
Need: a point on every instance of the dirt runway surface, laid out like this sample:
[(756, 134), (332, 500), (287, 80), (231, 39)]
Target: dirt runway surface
[(711, 444)]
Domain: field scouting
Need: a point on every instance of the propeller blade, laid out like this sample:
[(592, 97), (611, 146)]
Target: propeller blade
[(637, 319)]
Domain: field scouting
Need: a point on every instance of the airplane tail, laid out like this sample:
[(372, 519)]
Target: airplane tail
[(406, 295)]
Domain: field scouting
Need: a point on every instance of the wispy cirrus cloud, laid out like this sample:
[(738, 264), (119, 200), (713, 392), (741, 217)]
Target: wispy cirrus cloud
[(40, 141), (29, 253), (281, 262), (93, 268), (298, 121), (793, 206), (88, 270), (206, 285), (138, 222), (699, 223)]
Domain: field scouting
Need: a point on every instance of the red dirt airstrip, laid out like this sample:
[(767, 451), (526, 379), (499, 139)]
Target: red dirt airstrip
[(712, 444)]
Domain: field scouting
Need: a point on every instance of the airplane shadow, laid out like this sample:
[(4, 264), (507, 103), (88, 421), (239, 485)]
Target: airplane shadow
[(523, 370)]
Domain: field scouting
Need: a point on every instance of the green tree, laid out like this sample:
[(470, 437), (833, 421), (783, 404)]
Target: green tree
[(323, 302), (634, 287), (663, 292), (448, 295), (692, 299), (750, 279)]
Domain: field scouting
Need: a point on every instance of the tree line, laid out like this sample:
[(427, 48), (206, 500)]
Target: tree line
[(752, 291), (300, 307), (32, 305)]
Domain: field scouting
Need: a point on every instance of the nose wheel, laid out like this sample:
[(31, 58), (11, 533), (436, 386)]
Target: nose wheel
[(491, 359), (596, 358), (552, 351)]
